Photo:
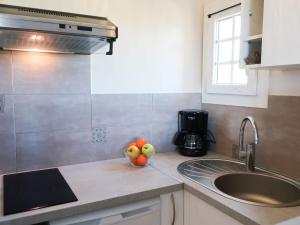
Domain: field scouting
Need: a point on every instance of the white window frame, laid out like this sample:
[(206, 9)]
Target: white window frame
[(255, 93)]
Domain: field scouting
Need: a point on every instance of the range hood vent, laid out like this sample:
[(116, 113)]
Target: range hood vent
[(46, 12), (29, 29)]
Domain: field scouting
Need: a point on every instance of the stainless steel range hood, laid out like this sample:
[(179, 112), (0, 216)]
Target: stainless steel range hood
[(29, 29)]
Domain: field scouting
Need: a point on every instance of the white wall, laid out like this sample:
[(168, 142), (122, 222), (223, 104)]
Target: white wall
[(91, 7), (285, 83), (159, 49)]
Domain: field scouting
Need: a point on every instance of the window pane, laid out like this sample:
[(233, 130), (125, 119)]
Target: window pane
[(225, 51), (236, 50), (224, 74), (225, 28), (237, 28), (239, 75)]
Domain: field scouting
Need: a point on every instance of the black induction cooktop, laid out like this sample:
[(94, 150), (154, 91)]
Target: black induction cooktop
[(34, 190)]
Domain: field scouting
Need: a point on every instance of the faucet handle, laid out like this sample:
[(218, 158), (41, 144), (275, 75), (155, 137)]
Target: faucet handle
[(235, 151), (237, 154), (250, 154), (243, 155)]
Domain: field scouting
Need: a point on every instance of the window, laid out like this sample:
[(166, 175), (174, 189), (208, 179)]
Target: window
[(227, 52), (224, 82)]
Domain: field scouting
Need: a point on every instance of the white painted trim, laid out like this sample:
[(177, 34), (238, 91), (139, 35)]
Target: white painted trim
[(255, 95), (258, 101)]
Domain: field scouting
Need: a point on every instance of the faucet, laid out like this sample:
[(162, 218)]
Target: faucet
[(249, 153)]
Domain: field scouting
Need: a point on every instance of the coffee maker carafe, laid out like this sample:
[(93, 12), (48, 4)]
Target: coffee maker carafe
[(192, 136)]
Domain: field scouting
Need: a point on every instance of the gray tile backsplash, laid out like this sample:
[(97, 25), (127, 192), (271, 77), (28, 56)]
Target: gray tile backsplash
[(162, 135), (40, 113), (52, 149), (118, 136), (126, 109), (7, 153), (191, 101), (7, 116), (42, 73), (5, 72), (279, 130), (166, 106), (51, 119)]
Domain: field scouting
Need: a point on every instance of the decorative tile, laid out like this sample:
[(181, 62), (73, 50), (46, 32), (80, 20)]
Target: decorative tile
[(99, 135)]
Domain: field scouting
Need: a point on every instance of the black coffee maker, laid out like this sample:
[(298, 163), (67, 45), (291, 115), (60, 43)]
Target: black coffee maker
[(192, 136)]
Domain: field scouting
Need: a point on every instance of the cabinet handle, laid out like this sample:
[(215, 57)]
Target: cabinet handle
[(137, 212), (174, 209)]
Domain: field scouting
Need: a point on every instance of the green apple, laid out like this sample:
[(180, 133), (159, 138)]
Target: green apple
[(133, 151), (148, 150)]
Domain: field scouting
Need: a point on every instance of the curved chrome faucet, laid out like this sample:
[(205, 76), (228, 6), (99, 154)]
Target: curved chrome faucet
[(249, 153)]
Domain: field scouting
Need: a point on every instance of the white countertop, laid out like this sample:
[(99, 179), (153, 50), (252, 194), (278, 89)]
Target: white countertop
[(111, 183), (245, 213), (99, 185)]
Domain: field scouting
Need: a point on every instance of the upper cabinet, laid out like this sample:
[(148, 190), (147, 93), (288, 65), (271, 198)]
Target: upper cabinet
[(281, 34), (251, 33), (270, 34)]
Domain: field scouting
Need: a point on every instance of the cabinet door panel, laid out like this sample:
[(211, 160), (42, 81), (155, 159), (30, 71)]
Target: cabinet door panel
[(198, 212), (281, 34), (168, 213), (150, 219)]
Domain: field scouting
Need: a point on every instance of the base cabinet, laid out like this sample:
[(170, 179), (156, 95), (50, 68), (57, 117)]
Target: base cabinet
[(139, 213), (164, 210), (172, 208), (198, 212), (176, 208)]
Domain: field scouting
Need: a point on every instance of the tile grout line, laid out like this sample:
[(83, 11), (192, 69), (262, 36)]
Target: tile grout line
[(152, 113), (91, 102), (86, 129), (50, 94), (14, 114)]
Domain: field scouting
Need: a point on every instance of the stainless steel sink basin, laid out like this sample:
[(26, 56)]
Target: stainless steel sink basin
[(231, 179), (259, 189)]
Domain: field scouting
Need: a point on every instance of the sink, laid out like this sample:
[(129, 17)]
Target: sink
[(230, 178), (259, 189)]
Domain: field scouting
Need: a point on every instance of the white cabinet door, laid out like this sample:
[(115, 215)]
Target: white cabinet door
[(281, 34), (149, 219), (146, 212), (172, 208), (198, 212)]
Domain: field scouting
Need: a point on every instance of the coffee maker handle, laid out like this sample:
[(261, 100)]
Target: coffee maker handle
[(179, 119), (211, 137)]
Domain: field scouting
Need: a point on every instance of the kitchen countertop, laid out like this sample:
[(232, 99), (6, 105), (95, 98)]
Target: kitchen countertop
[(111, 183), (247, 214), (99, 185)]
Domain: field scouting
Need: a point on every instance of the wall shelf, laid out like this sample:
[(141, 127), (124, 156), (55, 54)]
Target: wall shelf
[(251, 34), (253, 66), (254, 38)]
